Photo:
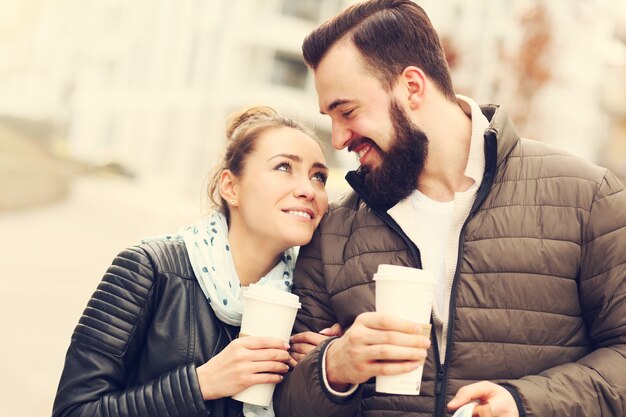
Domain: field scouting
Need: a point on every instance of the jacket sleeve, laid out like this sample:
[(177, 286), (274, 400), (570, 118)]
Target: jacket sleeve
[(596, 384), (106, 346), (303, 393)]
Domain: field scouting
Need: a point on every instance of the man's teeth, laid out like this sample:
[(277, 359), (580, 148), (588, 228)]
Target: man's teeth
[(362, 151), (299, 213)]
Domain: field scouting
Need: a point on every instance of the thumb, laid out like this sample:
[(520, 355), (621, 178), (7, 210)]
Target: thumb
[(459, 399), (334, 330), (475, 391)]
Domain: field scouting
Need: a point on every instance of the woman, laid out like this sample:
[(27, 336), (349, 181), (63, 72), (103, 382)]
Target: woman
[(159, 335)]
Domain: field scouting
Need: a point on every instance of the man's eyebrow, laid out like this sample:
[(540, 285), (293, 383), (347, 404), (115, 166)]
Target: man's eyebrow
[(296, 158), (332, 106)]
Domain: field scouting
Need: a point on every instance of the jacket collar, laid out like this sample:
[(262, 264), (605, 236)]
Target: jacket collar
[(500, 130), (502, 126)]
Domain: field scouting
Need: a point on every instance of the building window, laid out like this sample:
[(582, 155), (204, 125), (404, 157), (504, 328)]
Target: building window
[(303, 9), (289, 70)]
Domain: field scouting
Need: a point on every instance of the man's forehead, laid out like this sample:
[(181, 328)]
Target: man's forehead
[(337, 78)]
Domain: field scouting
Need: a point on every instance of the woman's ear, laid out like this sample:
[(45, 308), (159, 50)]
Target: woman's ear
[(414, 82), (229, 189)]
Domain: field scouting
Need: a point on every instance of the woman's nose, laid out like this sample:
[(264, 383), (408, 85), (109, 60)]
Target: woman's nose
[(305, 190)]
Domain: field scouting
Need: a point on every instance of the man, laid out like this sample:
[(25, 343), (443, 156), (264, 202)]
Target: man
[(526, 241)]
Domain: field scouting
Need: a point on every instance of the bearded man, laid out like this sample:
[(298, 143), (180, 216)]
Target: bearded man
[(526, 242)]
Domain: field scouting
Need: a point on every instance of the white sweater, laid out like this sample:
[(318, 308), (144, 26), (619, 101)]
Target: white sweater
[(435, 227)]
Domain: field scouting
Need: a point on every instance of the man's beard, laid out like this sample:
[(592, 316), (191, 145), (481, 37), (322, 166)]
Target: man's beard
[(396, 176)]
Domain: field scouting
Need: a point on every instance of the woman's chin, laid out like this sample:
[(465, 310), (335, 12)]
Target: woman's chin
[(300, 240)]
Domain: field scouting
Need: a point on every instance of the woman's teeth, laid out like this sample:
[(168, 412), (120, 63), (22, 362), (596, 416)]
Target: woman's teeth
[(299, 213)]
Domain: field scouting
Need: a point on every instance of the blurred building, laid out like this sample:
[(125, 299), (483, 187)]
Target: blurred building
[(158, 80), (614, 100), (146, 86), (544, 61)]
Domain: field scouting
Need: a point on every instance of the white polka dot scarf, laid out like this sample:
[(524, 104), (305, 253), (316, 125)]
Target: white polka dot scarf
[(209, 253), (212, 262)]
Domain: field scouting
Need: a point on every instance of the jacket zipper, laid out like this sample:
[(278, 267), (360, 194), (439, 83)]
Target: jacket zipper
[(490, 169), (481, 194)]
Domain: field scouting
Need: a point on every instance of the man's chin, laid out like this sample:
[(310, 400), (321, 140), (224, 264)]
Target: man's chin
[(387, 185), (370, 162), (367, 169)]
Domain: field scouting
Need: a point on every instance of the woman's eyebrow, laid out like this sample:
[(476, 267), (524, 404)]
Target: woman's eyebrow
[(296, 158)]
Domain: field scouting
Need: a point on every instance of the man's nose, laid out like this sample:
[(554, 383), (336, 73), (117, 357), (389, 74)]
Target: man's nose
[(340, 135)]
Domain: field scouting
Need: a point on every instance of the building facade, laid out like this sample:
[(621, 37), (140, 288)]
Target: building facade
[(148, 85)]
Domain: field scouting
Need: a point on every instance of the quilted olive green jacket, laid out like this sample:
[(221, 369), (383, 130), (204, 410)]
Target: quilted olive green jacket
[(538, 301)]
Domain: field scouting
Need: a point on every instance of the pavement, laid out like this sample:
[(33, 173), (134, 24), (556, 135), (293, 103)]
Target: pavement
[(52, 259)]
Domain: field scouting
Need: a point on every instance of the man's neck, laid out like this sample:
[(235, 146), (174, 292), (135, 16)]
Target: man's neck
[(449, 131)]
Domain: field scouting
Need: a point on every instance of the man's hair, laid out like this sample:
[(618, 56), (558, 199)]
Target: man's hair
[(390, 35)]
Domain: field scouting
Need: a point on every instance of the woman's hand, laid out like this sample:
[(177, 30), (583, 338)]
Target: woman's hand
[(244, 362), (495, 400), (303, 343)]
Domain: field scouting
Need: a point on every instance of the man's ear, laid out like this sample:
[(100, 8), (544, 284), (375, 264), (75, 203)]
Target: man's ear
[(229, 189), (413, 82)]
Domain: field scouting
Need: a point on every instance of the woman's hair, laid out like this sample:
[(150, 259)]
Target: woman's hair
[(390, 35), (242, 131)]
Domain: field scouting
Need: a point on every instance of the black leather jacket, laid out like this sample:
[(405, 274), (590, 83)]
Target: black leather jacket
[(135, 349)]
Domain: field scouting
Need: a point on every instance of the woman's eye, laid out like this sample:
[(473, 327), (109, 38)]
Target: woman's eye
[(347, 113), (321, 177), (283, 166)]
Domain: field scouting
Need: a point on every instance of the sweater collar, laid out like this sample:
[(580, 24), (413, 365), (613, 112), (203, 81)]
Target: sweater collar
[(475, 168), (500, 128)]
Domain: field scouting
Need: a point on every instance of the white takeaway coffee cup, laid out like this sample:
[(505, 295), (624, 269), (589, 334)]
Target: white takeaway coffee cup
[(267, 312), (406, 293)]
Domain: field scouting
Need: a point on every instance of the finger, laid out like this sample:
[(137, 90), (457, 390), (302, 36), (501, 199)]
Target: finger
[(393, 353), (260, 342), (260, 355), (293, 361), (262, 378), (383, 321), (308, 337), (302, 348), (267, 367), (334, 330), (477, 391), (482, 410), (424, 329), (390, 337)]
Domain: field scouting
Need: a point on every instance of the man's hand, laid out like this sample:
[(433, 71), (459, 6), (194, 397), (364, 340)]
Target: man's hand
[(495, 401), (376, 344), (303, 343)]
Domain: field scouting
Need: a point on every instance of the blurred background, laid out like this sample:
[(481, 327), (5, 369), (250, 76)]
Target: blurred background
[(112, 112)]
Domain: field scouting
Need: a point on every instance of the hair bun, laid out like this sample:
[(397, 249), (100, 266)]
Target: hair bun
[(249, 115)]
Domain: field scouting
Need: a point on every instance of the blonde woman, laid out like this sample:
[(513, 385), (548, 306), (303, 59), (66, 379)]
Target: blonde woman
[(158, 337)]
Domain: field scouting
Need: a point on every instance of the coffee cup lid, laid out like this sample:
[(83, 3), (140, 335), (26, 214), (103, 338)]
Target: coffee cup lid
[(387, 269), (263, 293), (403, 273)]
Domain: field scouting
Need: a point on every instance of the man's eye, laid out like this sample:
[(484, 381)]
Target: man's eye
[(347, 113)]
